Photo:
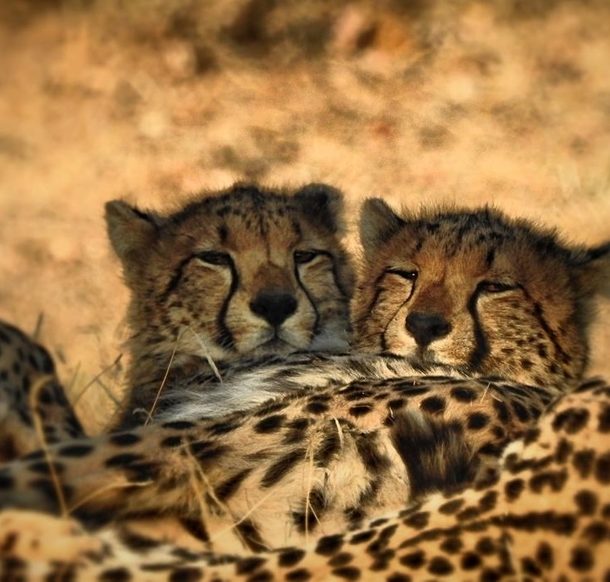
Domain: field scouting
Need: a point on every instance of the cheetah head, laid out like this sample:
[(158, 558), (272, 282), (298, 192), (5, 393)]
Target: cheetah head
[(477, 292), (243, 271)]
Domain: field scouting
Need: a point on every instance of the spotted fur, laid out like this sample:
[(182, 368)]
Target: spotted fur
[(246, 271), (30, 392), (546, 515), (348, 439)]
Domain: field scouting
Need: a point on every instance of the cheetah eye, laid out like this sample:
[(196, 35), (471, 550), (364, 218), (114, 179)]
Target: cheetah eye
[(214, 258), (304, 257), (495, 287), (409, 275)]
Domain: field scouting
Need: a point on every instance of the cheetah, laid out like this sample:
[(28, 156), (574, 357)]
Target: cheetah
[(545, 515), (30, 391), (247, 271), (351, 438), (244, 273)]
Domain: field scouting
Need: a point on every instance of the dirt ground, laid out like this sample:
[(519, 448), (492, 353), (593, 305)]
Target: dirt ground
[(503, 102)]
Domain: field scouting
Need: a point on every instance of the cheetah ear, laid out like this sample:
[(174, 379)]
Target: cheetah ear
[(593, 266), (323, 205), (131, 231), (378, 224)]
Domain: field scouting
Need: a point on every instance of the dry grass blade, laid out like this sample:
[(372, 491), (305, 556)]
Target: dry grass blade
[(105, 488), (157, 396), (208, 356), (38, 327), (244, 517), (308, 507), (101, 373)]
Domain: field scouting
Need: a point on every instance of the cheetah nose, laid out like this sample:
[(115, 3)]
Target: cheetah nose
[(426, 327), (274, 307)]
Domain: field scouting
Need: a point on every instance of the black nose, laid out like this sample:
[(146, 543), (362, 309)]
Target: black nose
[(274, 307), (426, 327)]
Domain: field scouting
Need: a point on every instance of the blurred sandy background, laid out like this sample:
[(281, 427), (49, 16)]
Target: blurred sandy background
[(505, 102)]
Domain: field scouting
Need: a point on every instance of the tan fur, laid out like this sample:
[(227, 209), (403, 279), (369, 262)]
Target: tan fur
[(532, 329), (182, 304), (369, 434)]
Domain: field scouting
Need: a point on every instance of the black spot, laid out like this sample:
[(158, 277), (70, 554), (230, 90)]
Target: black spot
[(347, 572), (249, 533), (307, 520), (468, 513), (123, 460), (120, 574), (485, 546), (316, 407), (418, 520), (470, 561), (513, 489), (595, 532), (44, 467), (136, 542), (488, 501), (604, 419), (290, 557), (360, 410), (586, 501), (270, 424), (329, 545), (440, 566), (602, 468), (271, 407), (207, 451), (413, 560), (178, 425), (340, 559), (6, 481), (451, 545), (520, 411), (582, 559), (196, 527), (123, 439), (279, 469), (451, 506), (296, 432), (372, 458), (75, 450), (528, 566), (433, 404), (462, 394), (185, 574), (249, 565), (362, 537), (171, 442), (571, 421), (544, 555), (223, 427), (329, 446), (299, 575), (501, 410), (477, 421), (226, 489), (583, 462)]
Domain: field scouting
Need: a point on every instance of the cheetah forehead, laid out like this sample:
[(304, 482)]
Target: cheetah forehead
[(486, 232), (247, 214)]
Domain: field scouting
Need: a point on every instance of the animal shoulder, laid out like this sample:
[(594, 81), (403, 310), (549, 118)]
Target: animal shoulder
[(471, 334)]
